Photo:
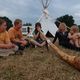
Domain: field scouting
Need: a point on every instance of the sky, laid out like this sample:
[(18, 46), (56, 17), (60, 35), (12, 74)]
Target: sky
[(31, 10)]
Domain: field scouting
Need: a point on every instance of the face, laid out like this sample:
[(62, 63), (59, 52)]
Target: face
[(3, 26), (62, 28), (38, 28), (74, 29), (19, 26)]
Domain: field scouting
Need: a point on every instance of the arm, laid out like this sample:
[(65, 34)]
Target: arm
[(55, 38), (7, 46), (16, 41), (36, 35), (74, 36), (70, 36)]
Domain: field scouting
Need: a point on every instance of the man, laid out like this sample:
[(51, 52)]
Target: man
[(16, 36), (6, 47)]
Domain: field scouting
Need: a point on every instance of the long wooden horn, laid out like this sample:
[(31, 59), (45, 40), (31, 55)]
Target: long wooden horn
[(73, 60)]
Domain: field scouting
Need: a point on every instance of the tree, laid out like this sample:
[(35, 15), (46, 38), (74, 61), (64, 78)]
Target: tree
[(67, 19), (79, 27), (8, 21)]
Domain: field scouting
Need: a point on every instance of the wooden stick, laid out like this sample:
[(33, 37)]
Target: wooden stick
[(73, 60)]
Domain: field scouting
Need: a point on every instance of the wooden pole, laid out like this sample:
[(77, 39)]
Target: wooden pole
[(73, 60)]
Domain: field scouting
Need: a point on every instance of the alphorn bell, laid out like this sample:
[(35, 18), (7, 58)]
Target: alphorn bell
[(73, 60)]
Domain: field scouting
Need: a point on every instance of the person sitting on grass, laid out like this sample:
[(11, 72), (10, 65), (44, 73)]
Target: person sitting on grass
[(62, 34), (16, 36), (38, 37), (74, 36), (6, 47)]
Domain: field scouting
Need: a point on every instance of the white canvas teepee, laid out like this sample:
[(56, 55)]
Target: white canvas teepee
[(47, 21)]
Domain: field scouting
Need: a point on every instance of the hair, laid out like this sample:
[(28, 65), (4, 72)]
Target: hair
[(63, 25), (74, 28), (17, 21), (36, 25), (2, 21)]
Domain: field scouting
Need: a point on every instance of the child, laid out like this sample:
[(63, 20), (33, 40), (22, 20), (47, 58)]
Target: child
[(62, 34), (6, 47), (74, 36), (16, 36), (38, 37)]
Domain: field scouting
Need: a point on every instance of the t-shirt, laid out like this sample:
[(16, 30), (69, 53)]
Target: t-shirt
[(15, 34), (4, 37)]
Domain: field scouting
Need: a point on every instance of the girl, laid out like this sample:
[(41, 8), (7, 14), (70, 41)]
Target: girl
[(38, 37), (62, 34)]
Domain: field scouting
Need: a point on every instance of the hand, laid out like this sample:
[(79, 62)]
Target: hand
[(71, 32), (23, 43), (13, 45)]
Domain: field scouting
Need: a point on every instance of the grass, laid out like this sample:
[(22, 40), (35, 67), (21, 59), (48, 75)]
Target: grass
[(38, 64)]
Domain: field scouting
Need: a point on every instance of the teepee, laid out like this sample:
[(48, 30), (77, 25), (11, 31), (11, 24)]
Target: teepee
[(46, 21)]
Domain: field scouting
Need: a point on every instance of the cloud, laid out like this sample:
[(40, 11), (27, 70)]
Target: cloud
[(77, 14), (30, 10)]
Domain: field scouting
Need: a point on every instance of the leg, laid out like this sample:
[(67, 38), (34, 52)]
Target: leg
[(20, 46), (43, 43), (6, 52), (35, 43), (72, 42)]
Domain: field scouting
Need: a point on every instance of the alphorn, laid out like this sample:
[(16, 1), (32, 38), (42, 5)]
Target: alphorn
[(72, 60)]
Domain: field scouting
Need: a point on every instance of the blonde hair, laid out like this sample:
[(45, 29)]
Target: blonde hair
[(62, 26), (74, 28)]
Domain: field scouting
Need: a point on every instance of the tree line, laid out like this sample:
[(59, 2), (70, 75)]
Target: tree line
[(67, 19)]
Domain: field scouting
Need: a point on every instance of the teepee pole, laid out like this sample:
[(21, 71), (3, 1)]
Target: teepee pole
[(61, 22), (46, 2), (47, 19), (43, 3), (40, 18), (73, 60)]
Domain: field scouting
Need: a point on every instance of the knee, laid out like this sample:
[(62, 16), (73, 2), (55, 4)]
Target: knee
[(16, 48)]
